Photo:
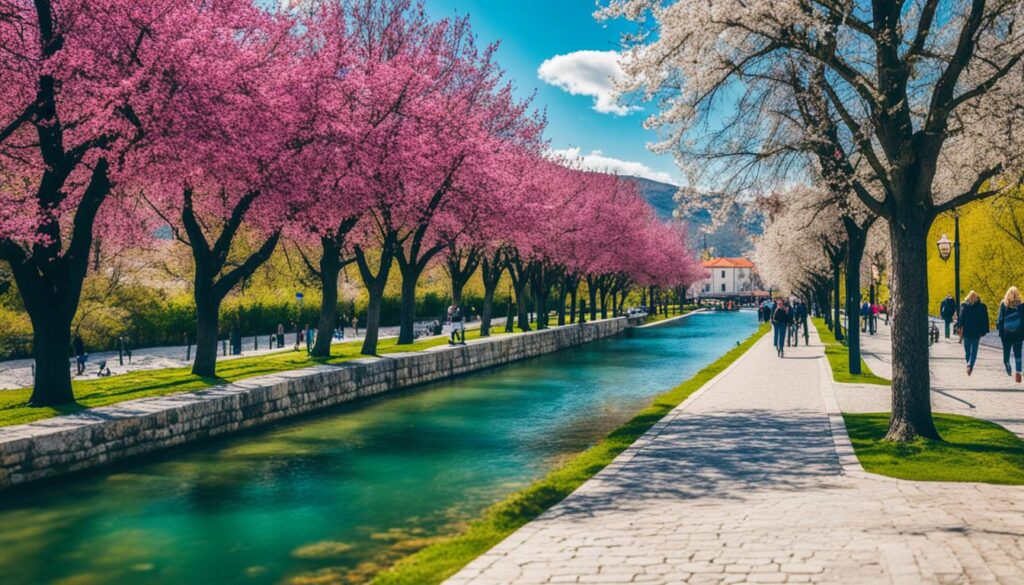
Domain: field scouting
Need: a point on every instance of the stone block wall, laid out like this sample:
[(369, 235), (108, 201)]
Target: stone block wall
[(66, 444)]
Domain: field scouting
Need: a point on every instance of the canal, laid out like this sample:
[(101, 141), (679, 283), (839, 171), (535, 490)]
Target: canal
[(334, 497)]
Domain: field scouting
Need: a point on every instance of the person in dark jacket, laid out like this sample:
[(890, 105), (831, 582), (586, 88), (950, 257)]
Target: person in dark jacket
[(80, 356), (947, 310), (780, 323), (1010, 325), (973, 325)]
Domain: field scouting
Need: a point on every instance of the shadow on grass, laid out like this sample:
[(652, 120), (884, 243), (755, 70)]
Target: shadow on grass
[(972, 450)]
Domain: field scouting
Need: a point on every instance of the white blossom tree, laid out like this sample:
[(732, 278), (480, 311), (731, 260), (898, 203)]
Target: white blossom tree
[(930, 93)]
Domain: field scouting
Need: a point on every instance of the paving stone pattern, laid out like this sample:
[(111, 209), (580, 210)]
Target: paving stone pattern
[(64, 444), (752, 480), (987, 393)]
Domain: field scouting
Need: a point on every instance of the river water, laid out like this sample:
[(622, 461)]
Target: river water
[(335, 496)]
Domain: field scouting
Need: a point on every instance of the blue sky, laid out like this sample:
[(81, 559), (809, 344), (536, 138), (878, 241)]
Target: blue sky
[(564, 34)]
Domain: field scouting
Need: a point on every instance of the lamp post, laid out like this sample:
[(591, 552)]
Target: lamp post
[(874, 287), (945, 247)]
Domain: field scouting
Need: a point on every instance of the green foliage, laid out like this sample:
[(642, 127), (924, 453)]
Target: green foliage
[(16, 339), (437, 562), (972, 450), (991, 248), (839, 359)]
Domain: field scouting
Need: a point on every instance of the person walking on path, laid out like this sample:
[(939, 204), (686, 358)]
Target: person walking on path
[(947, 310), (458, 326), (780, 324), (973, 325), (280, 335), (1010, 325), (299, 334), (308, 331), (865, 315), (80, 358)]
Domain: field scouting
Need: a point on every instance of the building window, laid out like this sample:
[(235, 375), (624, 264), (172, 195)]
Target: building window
[(723, 287), (723, 274)]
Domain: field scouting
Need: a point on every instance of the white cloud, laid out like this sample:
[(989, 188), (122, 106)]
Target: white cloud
[(597, 161), (591, 73)]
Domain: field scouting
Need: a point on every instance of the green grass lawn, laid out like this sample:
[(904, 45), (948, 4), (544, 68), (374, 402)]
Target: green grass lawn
[(96, 392), (673, 311), (971, 450), (839, 359), (437, 562)]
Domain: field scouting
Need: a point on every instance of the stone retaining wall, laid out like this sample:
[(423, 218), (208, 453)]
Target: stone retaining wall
[(69, 443)]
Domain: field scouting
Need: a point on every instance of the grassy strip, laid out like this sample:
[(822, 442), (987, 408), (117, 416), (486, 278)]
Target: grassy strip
[(839, 359), (673, 311), (972, 450), (92, 393), (437, 562)]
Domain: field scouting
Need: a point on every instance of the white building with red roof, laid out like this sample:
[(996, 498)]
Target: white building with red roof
[(728, 278)]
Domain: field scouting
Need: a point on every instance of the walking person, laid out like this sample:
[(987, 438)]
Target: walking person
[(80, 356), (947, 310), (309, 334), (972, 325), (865, 315), (801, 319), (1010, 325), (280, 335), (458, 326), (299, 334), (780, 324)]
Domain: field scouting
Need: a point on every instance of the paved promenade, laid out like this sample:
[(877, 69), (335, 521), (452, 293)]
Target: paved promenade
[(746, 483), (988, 393)]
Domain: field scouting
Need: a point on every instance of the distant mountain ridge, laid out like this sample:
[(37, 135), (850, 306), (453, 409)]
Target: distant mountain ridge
[(732, 239)]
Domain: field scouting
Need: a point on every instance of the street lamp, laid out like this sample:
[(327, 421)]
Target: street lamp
[(945, 246), (872, 326)]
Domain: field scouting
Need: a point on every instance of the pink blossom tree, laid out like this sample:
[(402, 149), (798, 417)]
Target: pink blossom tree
[(225, 168), (78, 83)]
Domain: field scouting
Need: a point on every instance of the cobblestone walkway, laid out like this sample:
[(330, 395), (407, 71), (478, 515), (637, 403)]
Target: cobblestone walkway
[(743, 484), (988, 393)]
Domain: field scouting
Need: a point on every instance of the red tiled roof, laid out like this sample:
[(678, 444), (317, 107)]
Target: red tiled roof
[(728, 263)]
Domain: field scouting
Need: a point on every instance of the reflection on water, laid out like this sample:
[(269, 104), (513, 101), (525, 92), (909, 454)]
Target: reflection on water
[(332, 497)]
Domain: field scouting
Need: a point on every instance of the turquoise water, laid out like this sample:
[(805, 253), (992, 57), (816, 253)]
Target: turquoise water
[(336, 496)]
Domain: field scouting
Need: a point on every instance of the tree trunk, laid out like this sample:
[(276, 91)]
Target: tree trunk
[(563, 292), (51, 338), (375, 284), (490, 271), (207, 325), (330, 268), (572, 302), (488, 311), (407, 315), (602, 294), (854, 254), (592, 291), (911, 382), (50, 276), (522, 316), (372, 328), (837, 302), (520, 282)]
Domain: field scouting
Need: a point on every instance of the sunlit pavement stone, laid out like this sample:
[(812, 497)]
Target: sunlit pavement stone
[(746, 483)]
